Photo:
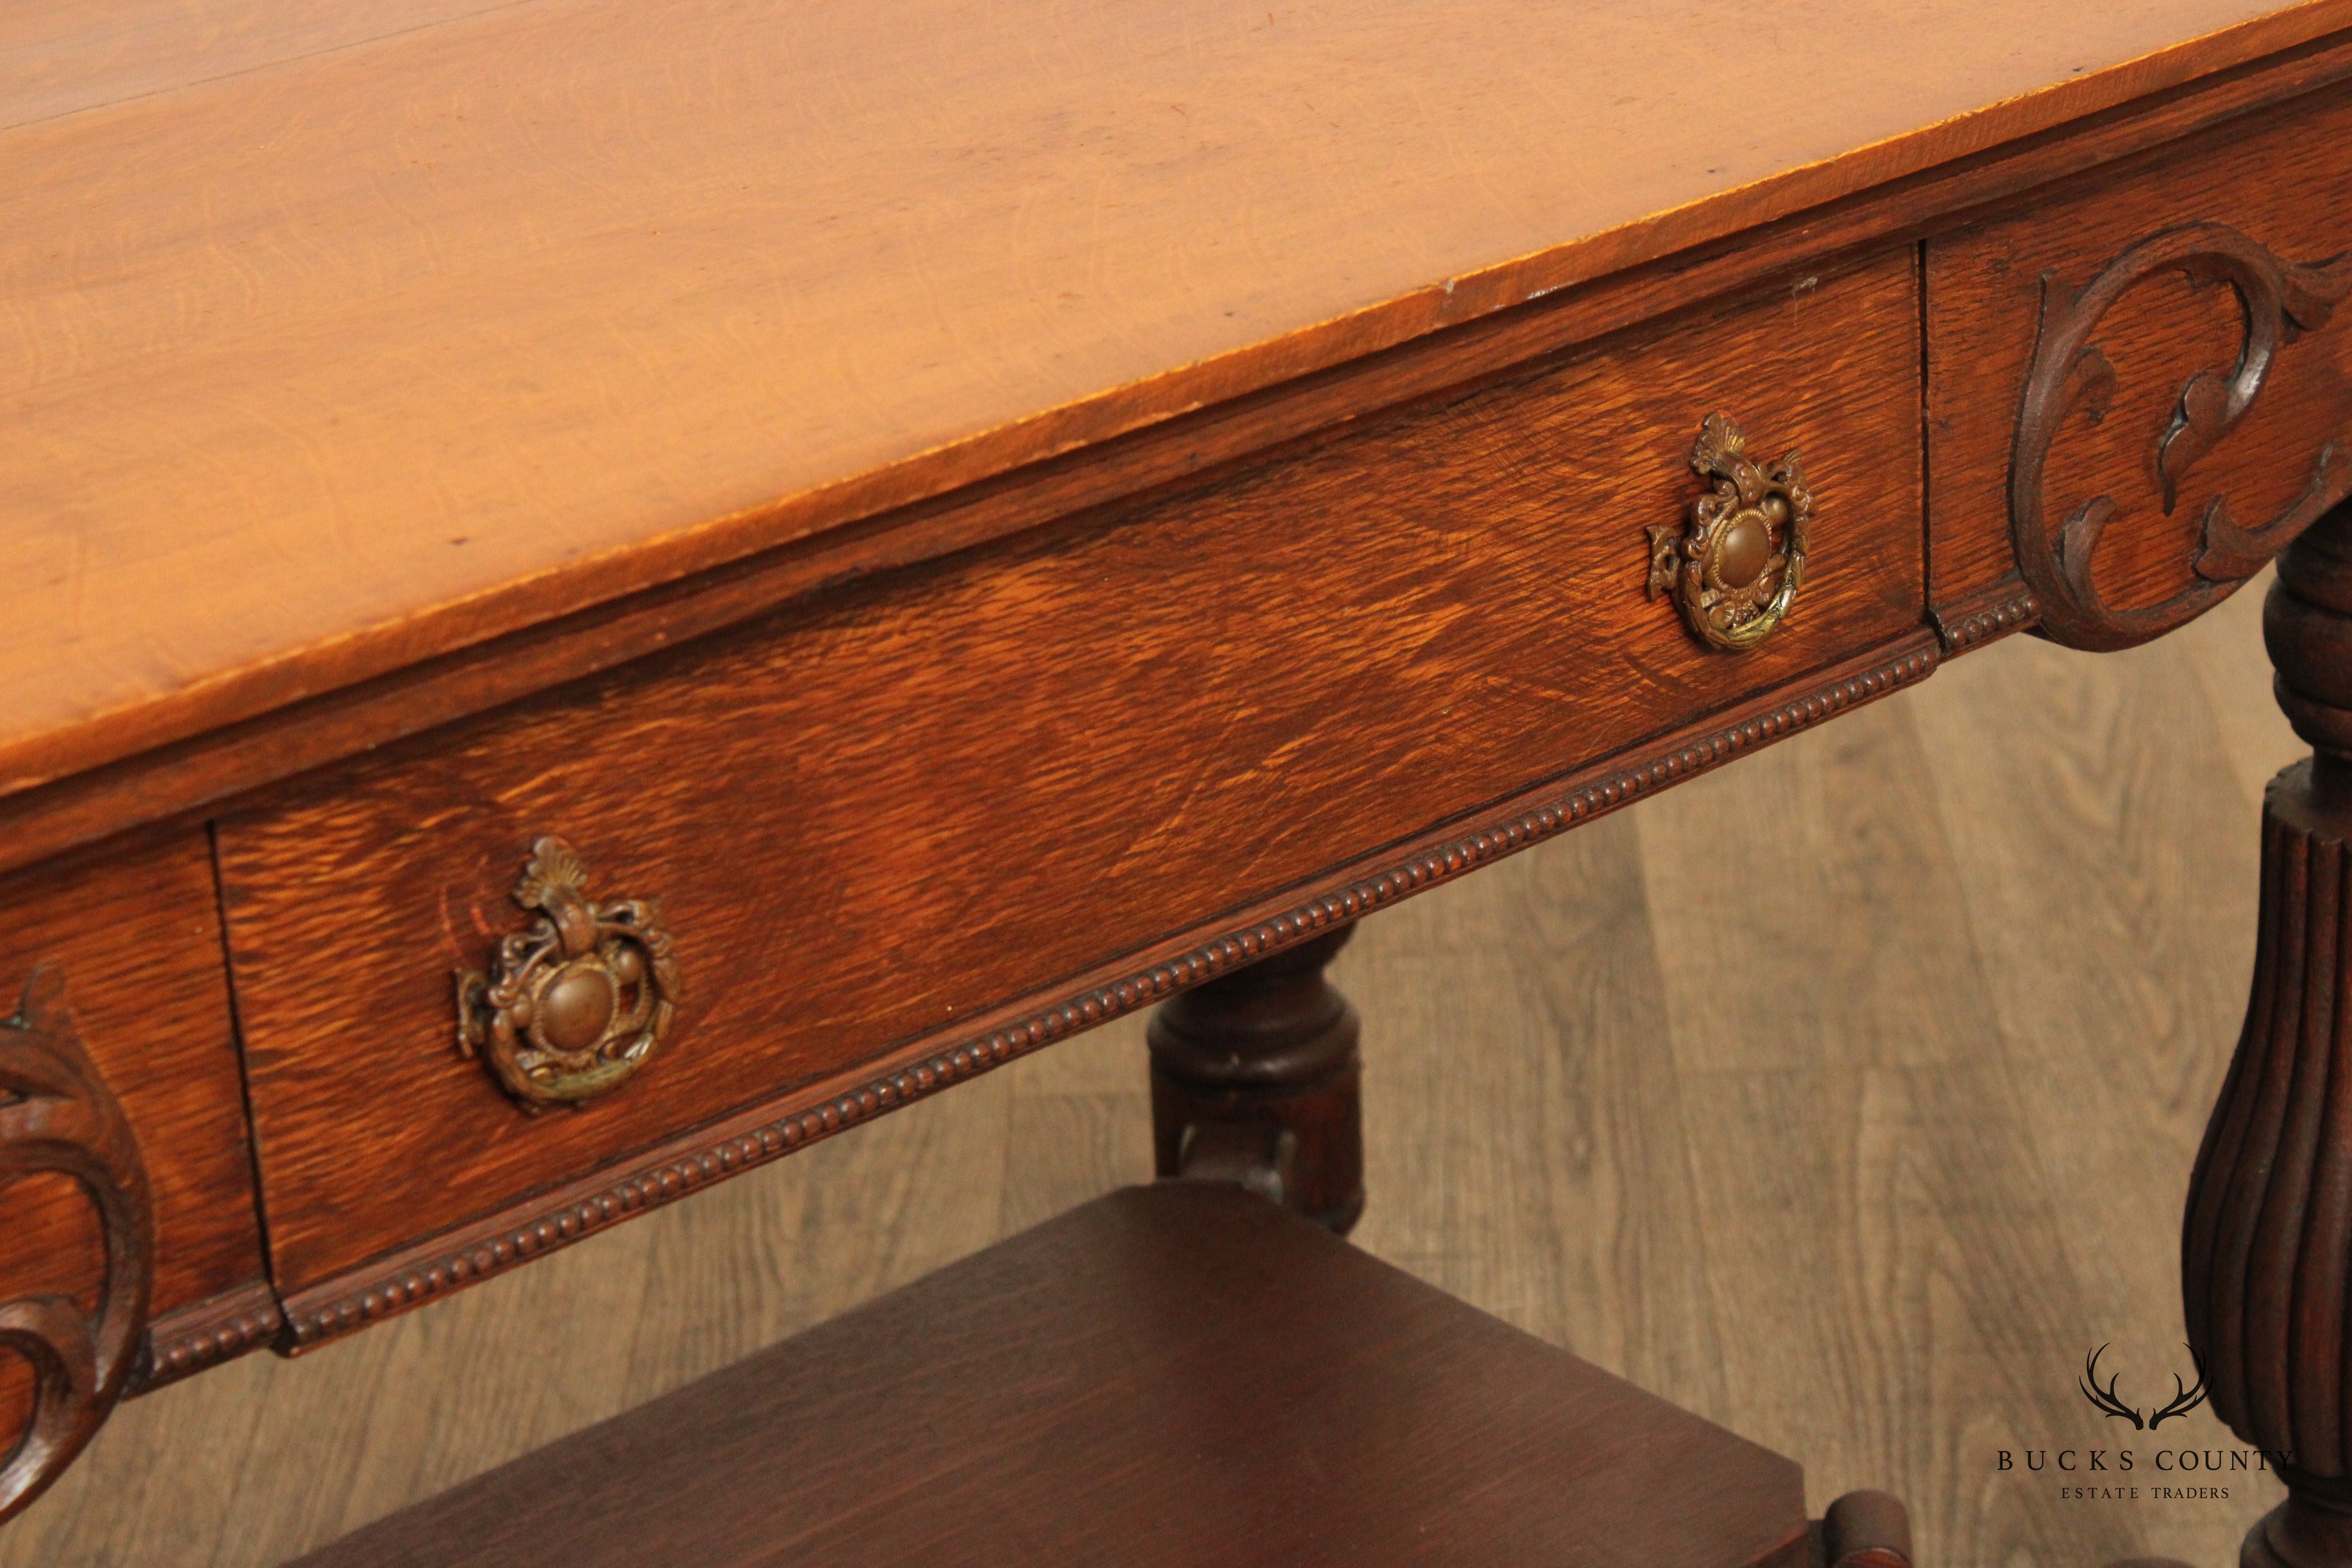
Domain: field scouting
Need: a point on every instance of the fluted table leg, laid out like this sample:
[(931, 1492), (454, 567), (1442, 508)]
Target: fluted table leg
[(1255, 1080), (2266, 1248)]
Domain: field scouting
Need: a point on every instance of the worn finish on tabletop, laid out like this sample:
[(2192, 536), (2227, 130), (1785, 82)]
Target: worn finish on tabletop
[(324, 719), (1449, 667), (534, 403)]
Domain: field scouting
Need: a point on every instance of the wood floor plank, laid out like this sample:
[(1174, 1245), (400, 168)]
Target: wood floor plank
[(1875, 1213), (263, 1459), (2116, 905), (2119, 900), (1081, 1124), (1523, 1145)]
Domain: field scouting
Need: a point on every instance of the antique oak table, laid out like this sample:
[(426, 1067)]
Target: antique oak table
[(597, 592)]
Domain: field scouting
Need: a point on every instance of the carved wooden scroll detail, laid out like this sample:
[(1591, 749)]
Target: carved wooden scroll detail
[(57, 1116), (2279, 301)]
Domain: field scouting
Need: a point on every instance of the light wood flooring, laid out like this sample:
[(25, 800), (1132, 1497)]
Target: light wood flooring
[(1846, 1097)]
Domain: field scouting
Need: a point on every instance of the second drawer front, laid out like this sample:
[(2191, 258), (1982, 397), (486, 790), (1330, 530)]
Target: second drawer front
[(870, 820)]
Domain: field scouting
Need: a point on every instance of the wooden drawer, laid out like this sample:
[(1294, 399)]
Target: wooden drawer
[(1169, 712), (2280, 185), (134, 934)]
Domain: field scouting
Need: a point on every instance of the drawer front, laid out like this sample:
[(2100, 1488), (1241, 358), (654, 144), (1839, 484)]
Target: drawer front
[(133, 935), (2251, 205), (884, 817)]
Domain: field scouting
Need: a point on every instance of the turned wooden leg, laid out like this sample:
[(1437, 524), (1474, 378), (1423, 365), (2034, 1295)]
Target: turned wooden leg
[(1865, 1530), (1255, 1080), (2265, 1256)]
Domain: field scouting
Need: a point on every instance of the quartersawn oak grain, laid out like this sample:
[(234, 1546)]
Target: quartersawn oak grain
[(1175, 711), (1529, 1143), (322, 722), (304, 673), (454, 328), (2283, 179), (137, 934)]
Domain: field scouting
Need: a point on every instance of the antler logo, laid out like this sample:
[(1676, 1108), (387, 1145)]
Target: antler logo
[(2184, 1400)]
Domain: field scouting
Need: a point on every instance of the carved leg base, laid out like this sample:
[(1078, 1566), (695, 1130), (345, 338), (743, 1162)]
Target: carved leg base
[(1255, 1080), (2266, 1250), (1866, 1529), (2299, 1534)]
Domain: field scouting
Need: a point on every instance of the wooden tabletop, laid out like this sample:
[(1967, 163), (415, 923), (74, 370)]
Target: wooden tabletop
[(337, 337)]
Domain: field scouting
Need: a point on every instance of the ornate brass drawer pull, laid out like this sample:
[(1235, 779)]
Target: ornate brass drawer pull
[(1736, 566), (577, 1000)]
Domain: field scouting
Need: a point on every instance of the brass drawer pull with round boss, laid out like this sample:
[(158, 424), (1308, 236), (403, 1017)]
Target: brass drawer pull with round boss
[(1736, 565), (578, 999)]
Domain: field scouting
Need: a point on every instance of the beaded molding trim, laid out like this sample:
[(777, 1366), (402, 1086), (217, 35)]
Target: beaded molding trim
[(206, 1334), (362, 1296), (2015, 609)]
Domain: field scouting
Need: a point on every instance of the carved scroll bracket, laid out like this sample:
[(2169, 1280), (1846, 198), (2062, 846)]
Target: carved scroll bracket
[(57, 1116), (2279, 301)]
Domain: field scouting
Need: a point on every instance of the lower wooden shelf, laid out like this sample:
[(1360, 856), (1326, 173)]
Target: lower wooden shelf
[(1178, 1375)]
